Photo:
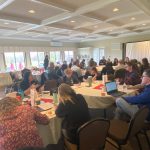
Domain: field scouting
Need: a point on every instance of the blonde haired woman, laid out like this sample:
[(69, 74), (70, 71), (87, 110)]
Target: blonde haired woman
[(18, 125), (73, 109)]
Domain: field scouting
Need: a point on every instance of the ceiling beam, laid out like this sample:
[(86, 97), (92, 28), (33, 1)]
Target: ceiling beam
[(84, 9), (87, 24), (144, 5), (13, 18), (123, 26), (54, 4), (123, 16), (93, 6), (5, 3), (108, 20)]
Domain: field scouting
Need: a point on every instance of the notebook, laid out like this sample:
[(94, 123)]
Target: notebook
[(45, 106), (111, 89)]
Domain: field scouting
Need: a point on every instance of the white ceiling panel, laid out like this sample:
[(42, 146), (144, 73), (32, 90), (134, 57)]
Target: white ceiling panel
[(74, 21)]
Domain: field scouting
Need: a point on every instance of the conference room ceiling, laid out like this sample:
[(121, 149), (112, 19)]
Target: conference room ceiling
[(73, 20)]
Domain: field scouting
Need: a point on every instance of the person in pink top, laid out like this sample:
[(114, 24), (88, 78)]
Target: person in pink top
[(18, 125)]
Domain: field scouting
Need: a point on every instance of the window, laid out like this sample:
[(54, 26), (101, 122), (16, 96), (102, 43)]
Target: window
[(55, 57), (68, 56), (14, 61), (37, 59), (98, 53)]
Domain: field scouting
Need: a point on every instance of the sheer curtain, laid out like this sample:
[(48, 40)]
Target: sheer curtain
[(138, 50)]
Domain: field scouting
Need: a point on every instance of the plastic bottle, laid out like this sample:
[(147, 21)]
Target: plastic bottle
[(33, 95), (55, 98), (90, 81), (21, 93)]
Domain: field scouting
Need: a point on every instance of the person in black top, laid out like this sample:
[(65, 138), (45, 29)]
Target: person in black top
[(96, 75), (115, 63), (70, 77), (82, 64), (102, 61), (46, 62), (74, 111), (60, 72), (108, 69), (52, 72), (28, 83), (145, 65)]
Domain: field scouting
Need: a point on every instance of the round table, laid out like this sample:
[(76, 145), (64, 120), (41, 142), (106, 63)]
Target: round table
[(97, 98)]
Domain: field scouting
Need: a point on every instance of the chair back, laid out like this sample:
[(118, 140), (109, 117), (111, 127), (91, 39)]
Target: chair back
[(50, 85), (92, 135), (137, 122)]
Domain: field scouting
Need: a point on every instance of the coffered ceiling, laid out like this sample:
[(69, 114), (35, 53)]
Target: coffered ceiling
[(73, 20)]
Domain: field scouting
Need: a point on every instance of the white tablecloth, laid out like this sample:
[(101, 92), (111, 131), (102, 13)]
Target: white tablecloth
[(50, 133), (94, 97)]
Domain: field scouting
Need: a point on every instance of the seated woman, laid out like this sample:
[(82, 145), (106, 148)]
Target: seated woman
[(18, 125), (95, 74), (115, 63), (132, 76), (60, 72), (87, 73), (28, 83), (70, 77), (108, 69), (74, 111), (145, 65), (52, 72), (119, 75)]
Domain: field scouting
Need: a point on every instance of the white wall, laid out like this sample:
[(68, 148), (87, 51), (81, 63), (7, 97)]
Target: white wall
[(109, 44)]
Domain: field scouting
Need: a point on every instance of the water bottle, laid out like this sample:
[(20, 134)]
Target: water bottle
[(90, 81), (33, 97), (21, 93), (55, 98)]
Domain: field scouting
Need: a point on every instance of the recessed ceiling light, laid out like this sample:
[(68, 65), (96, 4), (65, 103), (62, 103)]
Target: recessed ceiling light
[(72, 21), (144, 24), (6, 22), (133, 18), (115, 9), (31, 11)]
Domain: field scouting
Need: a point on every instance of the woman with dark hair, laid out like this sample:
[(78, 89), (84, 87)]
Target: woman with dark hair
[(115, 63), (108, 69), (60, 72), (132, 76), (74, 111), (24, 71), (28, 83), (126, 60), (145, 65), (82, 64), (96, 75)]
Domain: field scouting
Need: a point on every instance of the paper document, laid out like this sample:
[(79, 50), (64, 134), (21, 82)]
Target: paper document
[(45, 106)]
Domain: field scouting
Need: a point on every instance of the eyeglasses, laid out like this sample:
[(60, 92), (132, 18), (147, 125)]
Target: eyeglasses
[(144, 76)]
